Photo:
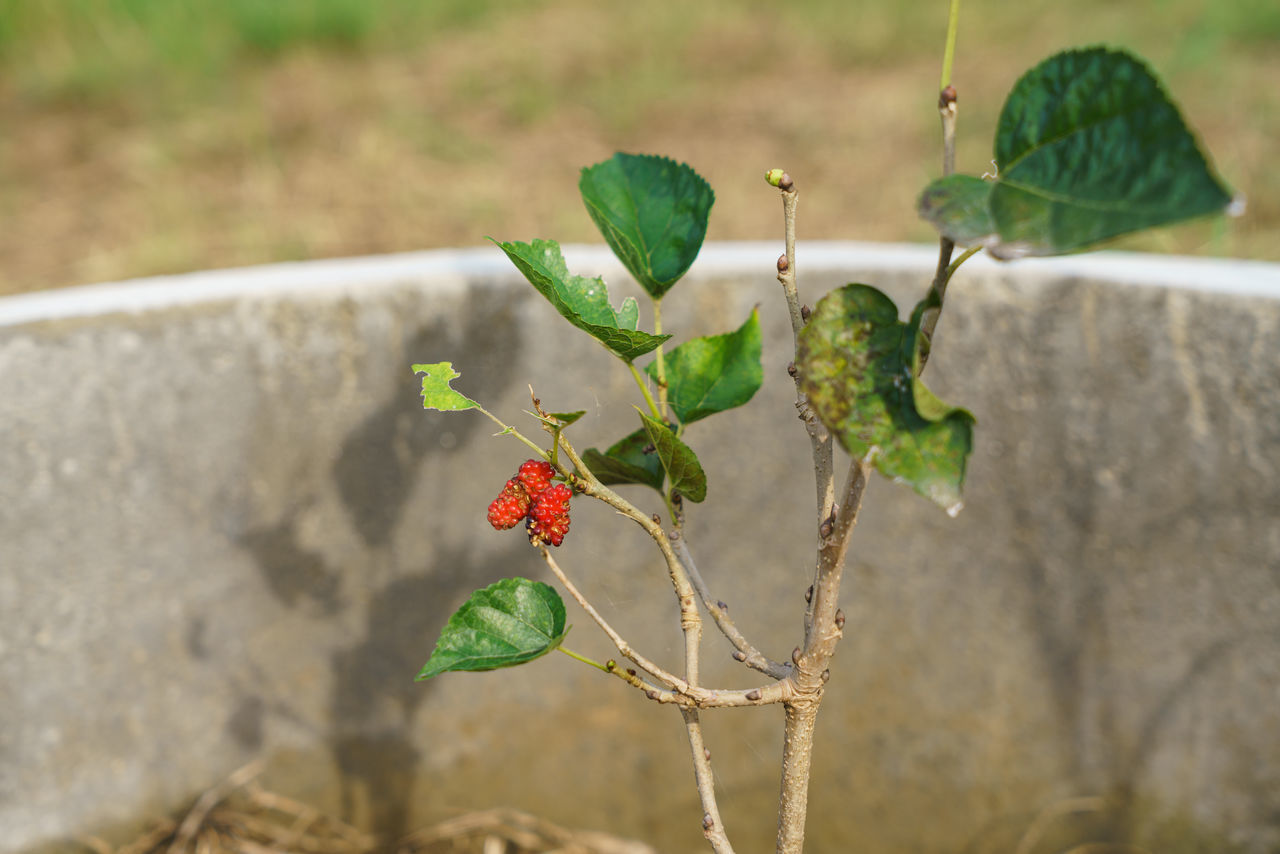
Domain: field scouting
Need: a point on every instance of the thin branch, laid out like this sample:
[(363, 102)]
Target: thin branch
[(678, 691), (644, 389), (938, 288), (658, 360), (712, 825), (819, 437), (746, 652)]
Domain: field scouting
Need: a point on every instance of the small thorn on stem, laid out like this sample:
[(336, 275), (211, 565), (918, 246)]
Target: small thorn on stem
[(792, 370), (783, 264), (707, 821), (753, 694), (805, 313), (795, 656), (839, 618), (946, 97), (808, 595), (739, 655)]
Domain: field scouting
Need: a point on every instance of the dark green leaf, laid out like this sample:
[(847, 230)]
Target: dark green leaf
[(508, 623), (859, 369), (958, 205), (436, 392), (626, 462), (583, 302), (653, 213), (1088, 148), (684, 472), (712, 374)]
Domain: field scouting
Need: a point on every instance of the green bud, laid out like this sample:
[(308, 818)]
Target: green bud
[(774, 176)]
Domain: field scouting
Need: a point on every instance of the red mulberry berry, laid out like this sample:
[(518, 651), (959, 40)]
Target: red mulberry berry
[(510, 506), (549, 516), (536, 476)]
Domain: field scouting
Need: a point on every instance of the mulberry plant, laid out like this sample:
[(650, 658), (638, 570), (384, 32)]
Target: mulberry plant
[(1088, 147)]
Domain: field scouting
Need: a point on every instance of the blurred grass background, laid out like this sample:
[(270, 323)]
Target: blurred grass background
[(140, 137)]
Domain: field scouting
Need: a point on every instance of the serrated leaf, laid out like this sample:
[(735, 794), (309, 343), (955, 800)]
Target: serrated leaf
[(858, 366), (583, 302), (511, 622), (436, 391), (711, 374), (652, 212), (684, 472), (1088, 147), (626, 462)]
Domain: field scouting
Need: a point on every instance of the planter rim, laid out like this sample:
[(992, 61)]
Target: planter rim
[(453, 266)]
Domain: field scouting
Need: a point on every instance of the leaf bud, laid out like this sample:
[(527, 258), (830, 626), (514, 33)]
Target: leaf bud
[(805, 313), (946, 97), (723, 606), (785, 182), (839, 618), (753, 694), (706, 753), (739, 655), (611, 665), (826, 675), (707, 821), (783, 264), (774, 176), (631, 671), (795, 656), (791, 369), (651, 694), (808, 595)]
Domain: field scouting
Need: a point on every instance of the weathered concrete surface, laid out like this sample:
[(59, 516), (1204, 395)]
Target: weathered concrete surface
[(228, 530)]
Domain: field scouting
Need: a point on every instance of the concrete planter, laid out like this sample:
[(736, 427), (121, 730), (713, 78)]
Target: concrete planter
[(228, 530)]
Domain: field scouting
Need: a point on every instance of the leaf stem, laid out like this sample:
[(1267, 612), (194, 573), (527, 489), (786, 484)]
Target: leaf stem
[(948, 55), (659, 359), (507, 429), (644, 387), (583, 658)]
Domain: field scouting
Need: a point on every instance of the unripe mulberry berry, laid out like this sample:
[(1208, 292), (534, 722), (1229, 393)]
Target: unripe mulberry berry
[(536, 476), (549, 516), (510, 506)]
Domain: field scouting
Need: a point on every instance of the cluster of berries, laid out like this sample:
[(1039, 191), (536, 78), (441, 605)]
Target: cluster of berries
[(530, 496)]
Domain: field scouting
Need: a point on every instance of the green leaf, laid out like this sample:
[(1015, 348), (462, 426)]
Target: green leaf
[(653, 213), (1088, 148), (436, 393), (626, 462), (715, 373), (508, 623), (583, 302), (567, 418), (684, 472), (859, 367)]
